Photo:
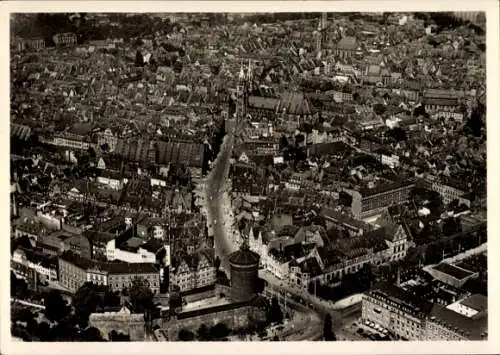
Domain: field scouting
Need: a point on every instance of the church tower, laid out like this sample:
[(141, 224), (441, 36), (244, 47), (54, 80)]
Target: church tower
[(245, 82), (321, 34)]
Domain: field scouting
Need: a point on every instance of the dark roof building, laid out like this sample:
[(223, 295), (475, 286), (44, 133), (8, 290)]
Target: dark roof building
[(451, 274), (427, 321), (175, 153), (294, 103)]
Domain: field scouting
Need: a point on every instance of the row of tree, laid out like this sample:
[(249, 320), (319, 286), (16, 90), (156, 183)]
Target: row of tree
[(204, 333), (71, 322)]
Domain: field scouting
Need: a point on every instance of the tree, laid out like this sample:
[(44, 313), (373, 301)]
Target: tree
[(85, 302), (185, 335), (165, 281), (32, 327), (476, 122), (141, 296), (55, 306), (435, 202), (203, 333), (105, 147), (91, 334), (275, 314), (91, 152), (44, 332), (328, 334), (139, 59), (398, 134), (451, 226), (64, 330), (18, 287), (111, 299), (21, 242), (21, 314), (379, 109), (453, 205), (283, 142), (118, 336), (218, 331), (420, 111)]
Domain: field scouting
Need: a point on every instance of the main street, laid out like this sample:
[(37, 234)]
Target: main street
[(215, 199)]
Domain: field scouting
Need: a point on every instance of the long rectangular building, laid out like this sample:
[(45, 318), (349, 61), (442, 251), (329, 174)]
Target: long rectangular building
[(367, 202), (410, 317), (74, 271)]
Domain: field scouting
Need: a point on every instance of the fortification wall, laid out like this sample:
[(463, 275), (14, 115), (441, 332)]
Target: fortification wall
[(216, 291), (232, 318), (132, 325)]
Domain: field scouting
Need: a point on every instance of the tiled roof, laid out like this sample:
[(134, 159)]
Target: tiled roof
[(330, 256), (311, 267), (38, 257), (347, 43), (189, 154), (20, 131), (374, 69), (266, 103), (98, 237), (294, 103), (244, 257), (442, 102), (213, 310), (452, 270), (477, 302), (130, 268), (110, 174), (329, 213), (367, 192), (110, 267), (471, 328), (403, 298)]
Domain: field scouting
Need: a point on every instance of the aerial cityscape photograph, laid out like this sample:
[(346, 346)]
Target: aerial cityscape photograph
[(279, 176)]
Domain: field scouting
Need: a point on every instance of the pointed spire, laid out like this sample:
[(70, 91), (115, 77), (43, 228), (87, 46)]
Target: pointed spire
[(242, 73), (244, 235)]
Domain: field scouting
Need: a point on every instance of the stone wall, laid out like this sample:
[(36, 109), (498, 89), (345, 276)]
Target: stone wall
[(216, 291), (131, 324), (233, 318)]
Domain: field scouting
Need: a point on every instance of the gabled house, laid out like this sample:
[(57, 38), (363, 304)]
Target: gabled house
[(192, 270), (31, 227)]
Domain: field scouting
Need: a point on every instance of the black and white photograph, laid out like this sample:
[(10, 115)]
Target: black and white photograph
[(248, 176)]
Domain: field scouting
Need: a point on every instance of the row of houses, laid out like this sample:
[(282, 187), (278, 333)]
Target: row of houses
[(310, 255), (60, 39), (74, 271), (118, 242)]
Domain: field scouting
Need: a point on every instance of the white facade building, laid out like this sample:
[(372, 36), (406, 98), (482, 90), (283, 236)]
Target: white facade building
[(141, 256)]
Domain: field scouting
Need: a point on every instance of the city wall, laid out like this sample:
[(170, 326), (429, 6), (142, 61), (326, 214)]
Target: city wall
[(216, 291), (233, 318), (131, 324)]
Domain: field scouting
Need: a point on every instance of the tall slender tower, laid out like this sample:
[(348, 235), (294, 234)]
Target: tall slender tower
[(321, 39), (244, 84)]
